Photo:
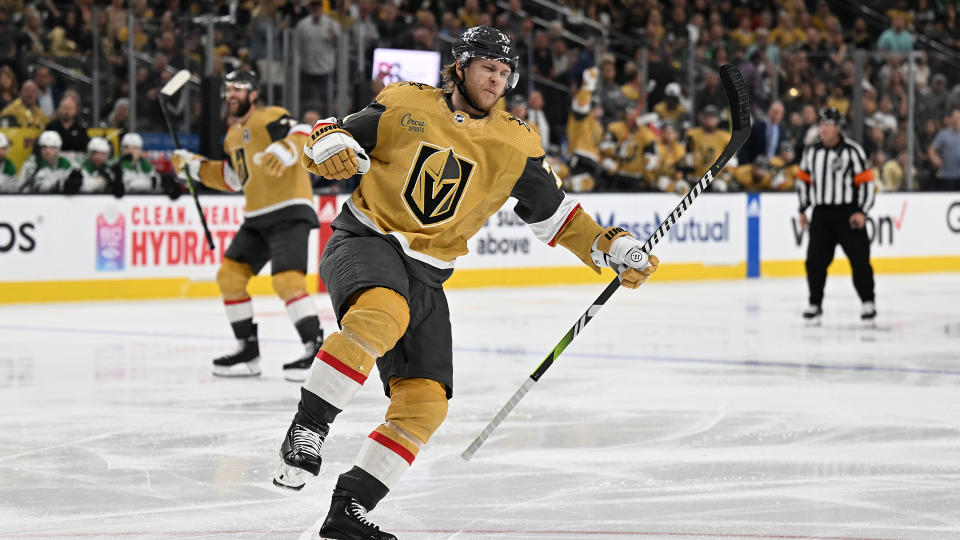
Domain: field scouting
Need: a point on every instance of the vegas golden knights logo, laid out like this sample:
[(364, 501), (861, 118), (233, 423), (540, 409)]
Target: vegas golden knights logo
[(436, 184)]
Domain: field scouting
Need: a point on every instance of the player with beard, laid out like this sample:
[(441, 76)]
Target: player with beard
[(262, 148), (436, 164)]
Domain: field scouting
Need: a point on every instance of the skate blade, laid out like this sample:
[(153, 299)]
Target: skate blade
[(243, 369), (291, 477), (813, 323), (295, 375)]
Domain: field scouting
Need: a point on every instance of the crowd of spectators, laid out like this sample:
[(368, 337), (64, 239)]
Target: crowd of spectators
[(796, 57)]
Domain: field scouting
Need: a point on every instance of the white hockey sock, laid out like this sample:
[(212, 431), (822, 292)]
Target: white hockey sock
[(385, 459), (300, 307), (238, 310), (333, 380)]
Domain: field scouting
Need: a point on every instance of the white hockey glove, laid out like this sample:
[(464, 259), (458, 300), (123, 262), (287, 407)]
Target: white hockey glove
[(618, 250), (184, 162), (276, 157), (333, 153)]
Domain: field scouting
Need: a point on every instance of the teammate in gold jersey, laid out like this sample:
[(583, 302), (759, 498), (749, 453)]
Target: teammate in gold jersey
[(263, 148), (436, 163)]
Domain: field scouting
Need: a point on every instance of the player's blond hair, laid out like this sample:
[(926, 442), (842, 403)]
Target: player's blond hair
[(448, 74)]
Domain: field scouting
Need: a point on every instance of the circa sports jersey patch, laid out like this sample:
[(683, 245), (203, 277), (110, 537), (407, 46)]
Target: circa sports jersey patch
[(412, 124), (436, 183)]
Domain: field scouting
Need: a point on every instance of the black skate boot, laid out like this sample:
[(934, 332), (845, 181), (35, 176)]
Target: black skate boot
[(298, 370), (347, 520), (245, 362), (300, 455), (811, 315)]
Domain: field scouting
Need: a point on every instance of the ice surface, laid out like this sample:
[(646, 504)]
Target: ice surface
[(684, 410)]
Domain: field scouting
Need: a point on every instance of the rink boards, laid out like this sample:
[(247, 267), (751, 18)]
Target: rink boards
[(55, 248)]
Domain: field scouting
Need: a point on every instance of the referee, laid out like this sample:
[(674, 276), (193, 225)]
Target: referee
[(837, 181)]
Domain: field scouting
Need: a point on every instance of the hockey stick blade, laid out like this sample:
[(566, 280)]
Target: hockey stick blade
[(736, 91), (172, 87), (175, 83)]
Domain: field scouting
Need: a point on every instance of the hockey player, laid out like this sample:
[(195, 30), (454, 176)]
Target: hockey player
[(136, 172), (46, 172), (263, 147), (94, 175), (422, 196), (8, 171)]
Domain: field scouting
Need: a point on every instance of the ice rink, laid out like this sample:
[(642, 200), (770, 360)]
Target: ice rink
[(684, 410)]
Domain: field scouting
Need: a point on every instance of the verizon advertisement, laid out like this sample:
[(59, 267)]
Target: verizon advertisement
[(899, 225), (74, 238)]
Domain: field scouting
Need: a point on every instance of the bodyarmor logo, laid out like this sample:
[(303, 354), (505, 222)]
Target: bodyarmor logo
[(436, 183)]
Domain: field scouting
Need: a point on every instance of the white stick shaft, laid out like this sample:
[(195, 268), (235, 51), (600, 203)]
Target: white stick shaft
[(504, 411)]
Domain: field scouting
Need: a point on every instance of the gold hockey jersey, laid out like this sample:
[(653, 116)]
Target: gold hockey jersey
[(704, 147), (584, 130), (669, 158), (264, 194), (636, 150), (437, 174)]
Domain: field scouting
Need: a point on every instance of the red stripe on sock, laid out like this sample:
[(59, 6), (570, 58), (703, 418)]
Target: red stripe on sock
[(292, 300), (235, 302), (336, 364), (393, 445)]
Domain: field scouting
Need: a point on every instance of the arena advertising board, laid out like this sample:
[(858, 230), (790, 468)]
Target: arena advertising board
[(149, 236), (711, 232), (899, 225), (81, 238)]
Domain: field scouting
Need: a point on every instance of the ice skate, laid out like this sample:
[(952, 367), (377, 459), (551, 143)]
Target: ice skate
[(300, 456), (812, 315), (245, 362), (298, 370), (868, 311), (347, 520)]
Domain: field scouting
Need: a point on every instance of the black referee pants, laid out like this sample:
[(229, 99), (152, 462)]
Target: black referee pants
[(829, 226)]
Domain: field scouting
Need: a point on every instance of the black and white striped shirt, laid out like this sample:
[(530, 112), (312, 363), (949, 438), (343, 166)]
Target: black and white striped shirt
[(836, 176)]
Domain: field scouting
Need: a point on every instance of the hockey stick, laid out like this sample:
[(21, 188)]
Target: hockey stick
[(736, 92), (172, 87)]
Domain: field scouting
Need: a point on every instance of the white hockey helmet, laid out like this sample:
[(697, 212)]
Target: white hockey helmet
[(131, 139), (673, 89), (51, 139), (98, 144), (4, 141)]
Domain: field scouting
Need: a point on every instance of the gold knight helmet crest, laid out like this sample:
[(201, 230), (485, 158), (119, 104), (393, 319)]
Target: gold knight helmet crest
[(436, 183)]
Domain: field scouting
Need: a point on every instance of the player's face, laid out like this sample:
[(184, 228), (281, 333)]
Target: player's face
[(485, 81), (133, 151), (49, 153), (3, 153), (98, 158), (238, 99)]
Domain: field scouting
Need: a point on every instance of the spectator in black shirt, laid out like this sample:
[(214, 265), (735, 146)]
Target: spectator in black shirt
[(68, 124)]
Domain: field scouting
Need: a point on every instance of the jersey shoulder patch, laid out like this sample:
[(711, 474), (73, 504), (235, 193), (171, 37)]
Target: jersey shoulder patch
[(404, 92), (277, 122), (523, 137)]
